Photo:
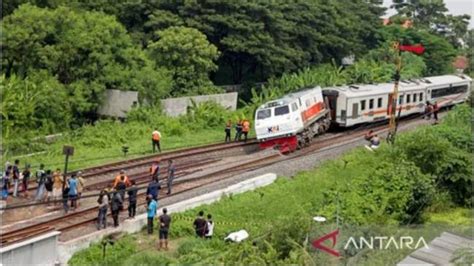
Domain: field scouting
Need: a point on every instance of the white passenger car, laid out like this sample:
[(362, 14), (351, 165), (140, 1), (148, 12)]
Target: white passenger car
[(356, 104)]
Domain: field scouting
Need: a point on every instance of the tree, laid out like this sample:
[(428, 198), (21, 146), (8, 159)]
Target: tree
[(432, 16), (260, 39), (87, 52), (187, 54), (438, 53)]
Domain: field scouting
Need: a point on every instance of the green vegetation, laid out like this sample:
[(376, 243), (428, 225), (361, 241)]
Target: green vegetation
[(366, 193), (60, 56), (102, 142)]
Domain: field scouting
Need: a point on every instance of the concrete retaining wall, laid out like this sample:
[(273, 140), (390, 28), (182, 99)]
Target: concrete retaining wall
[(117, 103), (179, 106), (40, 250), (67, 249)]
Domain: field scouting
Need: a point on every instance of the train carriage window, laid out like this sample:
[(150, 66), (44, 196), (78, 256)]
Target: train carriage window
[(408, 98), (421, 96), (371, 104), (448, 91), (362, 105), (400, 99), (379, 102), (282, 110), (414, 97), (263, 114), (294, 107)]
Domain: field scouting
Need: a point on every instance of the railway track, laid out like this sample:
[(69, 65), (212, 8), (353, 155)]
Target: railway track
[(87, 216), (98, 171), (79, 218)]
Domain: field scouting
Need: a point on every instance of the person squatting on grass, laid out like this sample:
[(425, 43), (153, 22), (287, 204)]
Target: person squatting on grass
[(103, 202), (200, 225), (151, 212), (210, 227), (165, 221)]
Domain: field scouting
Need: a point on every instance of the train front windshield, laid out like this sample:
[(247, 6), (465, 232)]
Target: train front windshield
[(282, 110), (263, 114)]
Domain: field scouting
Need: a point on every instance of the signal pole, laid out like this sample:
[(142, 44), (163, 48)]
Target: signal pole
[(393, 110)]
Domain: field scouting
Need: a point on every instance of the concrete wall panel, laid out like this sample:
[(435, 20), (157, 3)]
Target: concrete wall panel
[(117, 103), (178, 106)]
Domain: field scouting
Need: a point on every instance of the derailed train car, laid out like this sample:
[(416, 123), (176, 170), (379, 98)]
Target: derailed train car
[(292, 121)]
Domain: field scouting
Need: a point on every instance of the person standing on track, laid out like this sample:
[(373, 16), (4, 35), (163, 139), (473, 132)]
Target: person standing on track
[(122, 177), (72, 183), (65, 195), (228, 128), (80, 186), (151, 212), (48, 185), (245, 128), (238, 130), (40, 179), (155, 170), (132, 200), (155, 140), (435, 111), (200, 225), (103, 202), (428, 110), (117, 202), (165, 221), (16, 177), (58, 181), (171, 171), (26, 178), (153, 189)]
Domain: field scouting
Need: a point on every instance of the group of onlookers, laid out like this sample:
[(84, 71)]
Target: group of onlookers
[(51, 186)]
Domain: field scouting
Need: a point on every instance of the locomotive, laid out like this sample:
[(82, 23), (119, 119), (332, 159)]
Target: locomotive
[(292, 121)]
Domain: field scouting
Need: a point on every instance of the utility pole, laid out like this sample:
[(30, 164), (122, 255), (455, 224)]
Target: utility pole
[(393, 110), (68, 151)]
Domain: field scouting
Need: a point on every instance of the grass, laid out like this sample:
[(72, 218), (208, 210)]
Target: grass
[(139, 143)]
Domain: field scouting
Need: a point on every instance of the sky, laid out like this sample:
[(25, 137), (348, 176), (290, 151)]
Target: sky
[(456, 7)]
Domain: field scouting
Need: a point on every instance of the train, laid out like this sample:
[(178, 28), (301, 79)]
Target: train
[(292, 121)]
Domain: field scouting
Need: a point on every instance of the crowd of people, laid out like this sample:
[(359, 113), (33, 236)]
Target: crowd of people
[(52, 186), (242, 128)]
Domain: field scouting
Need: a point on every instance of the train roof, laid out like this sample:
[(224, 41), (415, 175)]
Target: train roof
[(288, 98), (362, 90)]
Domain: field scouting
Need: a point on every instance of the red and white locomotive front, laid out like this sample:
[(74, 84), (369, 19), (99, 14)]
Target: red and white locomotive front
[(283, 122)]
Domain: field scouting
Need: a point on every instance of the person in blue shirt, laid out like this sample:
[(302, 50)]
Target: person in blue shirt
[(153, 189), (73, 191), (151, 212)]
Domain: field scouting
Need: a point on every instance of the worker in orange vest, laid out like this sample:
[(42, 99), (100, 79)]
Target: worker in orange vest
[(155, 170), (155, 139), (228, 127), (245, 128), (122, 177)]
